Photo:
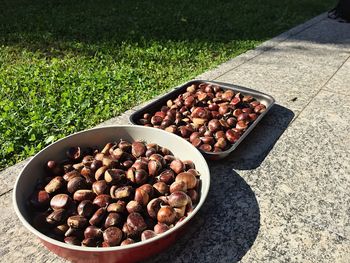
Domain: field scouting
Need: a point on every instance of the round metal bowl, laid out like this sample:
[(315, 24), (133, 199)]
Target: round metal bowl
[(26, 181)]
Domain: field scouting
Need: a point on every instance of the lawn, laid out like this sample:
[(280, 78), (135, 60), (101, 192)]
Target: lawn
[(68, 65)]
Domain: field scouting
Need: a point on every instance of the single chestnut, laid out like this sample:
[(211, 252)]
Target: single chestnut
[(56, 217), (161, 228), (121, 192), (113, 236), (147, 234), (113, 219), (86, 208), (178, 186), (93, 232), (141, 176), (127, 241), (136, 222), (167, 176), (138, 149), (73, 153), (188, 178), (177, 166), (118, 207), (55, 184), (77, 221), (178, 199), (60, 201), (84, 194), (161, 188), (76, 184), (133, 206), (166, 215), (98, 217), (141, 196), (102, 200), (40, 199), (100, 187)]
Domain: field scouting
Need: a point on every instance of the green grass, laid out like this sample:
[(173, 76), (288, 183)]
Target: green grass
[(68, 65)]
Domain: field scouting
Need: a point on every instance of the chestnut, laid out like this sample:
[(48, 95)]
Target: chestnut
[(136, 222), (147, 234), (70, 175), (93, 232), (178, 186), (100, 187), (167, 176), (98, 217), (178, 199), (133, 206), (118, 207), (102, 200), (113, 219), (177, 166), (232, 136), (205, 147), (161, 228), (187, 178), (113, 236), (77, 221), (161, 188), (86, 208), (127, 241), (56, 217), (141, 196), (76, 184), (40, 199), (60, 201), (214, 125), (55, 184), (84, 194), (138, 149), (166, 215), (73, 153)]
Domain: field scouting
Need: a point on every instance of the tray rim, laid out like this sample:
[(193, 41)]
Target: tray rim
[(157, 102)]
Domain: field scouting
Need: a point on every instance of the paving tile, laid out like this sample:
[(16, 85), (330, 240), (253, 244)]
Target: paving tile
[(9, 175), (296, 69), (291, 240), (340, 83), (307, 172), (17, 243)]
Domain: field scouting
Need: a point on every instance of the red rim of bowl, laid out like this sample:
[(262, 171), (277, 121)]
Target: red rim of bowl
[(204, 193)]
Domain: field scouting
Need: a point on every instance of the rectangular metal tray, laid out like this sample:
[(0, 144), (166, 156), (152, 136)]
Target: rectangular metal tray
[(154, 106)]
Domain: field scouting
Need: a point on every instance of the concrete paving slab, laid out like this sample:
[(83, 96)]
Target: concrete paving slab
[(307, 173), (336, 84), (9, 175), (17, 244), (291, 240)]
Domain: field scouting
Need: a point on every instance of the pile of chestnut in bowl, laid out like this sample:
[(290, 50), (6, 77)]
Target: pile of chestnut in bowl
[(125, 193), (211, 118)]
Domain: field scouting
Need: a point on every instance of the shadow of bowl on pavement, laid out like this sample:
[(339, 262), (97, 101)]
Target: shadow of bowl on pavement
[(256, 146), (226, 226)]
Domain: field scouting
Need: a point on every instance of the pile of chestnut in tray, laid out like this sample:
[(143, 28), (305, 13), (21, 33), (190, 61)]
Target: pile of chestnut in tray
[(211, 118), (120, 195)]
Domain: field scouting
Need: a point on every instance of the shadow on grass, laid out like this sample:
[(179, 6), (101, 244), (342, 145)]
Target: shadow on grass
[(47, 25), (226, 226)]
